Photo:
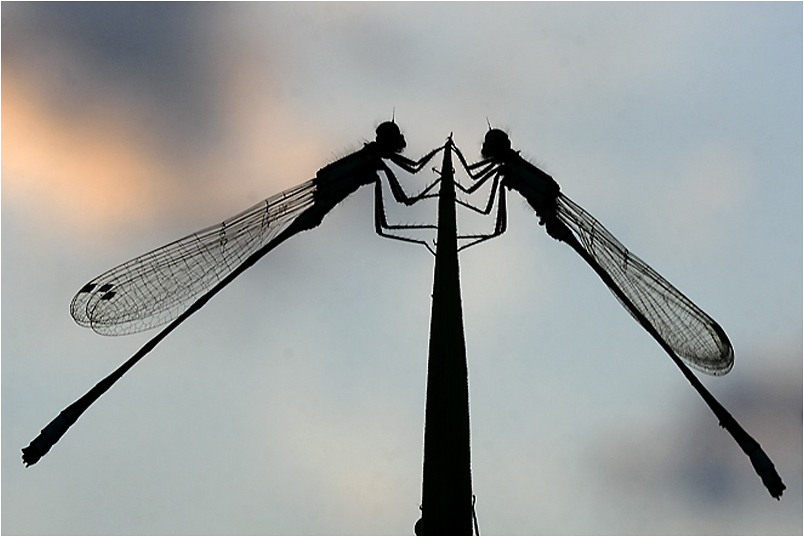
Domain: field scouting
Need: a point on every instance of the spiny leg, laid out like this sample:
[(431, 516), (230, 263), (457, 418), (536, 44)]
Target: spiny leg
[(501, 222), (411, 166), (383, 228), (489, 203), (483, 174), (399, 193)]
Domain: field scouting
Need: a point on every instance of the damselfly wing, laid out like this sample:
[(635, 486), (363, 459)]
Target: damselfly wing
[(155, 288), (697, 339)]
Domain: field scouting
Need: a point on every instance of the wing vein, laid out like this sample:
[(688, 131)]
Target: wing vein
[(156, 287), (698, 340)]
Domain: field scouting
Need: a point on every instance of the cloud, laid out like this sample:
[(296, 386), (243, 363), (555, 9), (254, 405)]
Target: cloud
[(156, 54), (700, 466), (105, 127), (92, 170), (173, 116)]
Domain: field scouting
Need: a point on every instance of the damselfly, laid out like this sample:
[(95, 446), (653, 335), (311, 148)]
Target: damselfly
[(688, 335), (174, 281)]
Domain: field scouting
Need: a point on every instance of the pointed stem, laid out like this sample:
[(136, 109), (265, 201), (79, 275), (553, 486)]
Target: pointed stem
[(447, 482)]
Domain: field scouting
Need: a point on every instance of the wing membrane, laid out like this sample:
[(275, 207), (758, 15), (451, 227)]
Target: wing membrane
[(158, 286), (697, 339)]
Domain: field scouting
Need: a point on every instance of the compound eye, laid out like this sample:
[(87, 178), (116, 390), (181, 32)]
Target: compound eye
[(389, 138), (495, 144)]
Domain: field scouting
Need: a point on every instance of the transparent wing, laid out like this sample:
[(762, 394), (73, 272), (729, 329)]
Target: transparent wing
[(697, 339), (157, 287)]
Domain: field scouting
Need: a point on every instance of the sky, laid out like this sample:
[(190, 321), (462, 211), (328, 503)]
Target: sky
[(293, 403)]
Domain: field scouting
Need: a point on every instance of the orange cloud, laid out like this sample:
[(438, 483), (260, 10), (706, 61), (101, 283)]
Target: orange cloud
[(91, 169), (98, 170)]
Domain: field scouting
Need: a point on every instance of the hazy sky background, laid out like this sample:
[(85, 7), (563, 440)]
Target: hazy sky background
[(293, 403)]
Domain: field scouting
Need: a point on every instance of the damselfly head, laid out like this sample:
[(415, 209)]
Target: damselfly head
[(389, 138), (496, 144)]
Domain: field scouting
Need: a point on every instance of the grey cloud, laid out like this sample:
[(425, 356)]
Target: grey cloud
[(154, 52)]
